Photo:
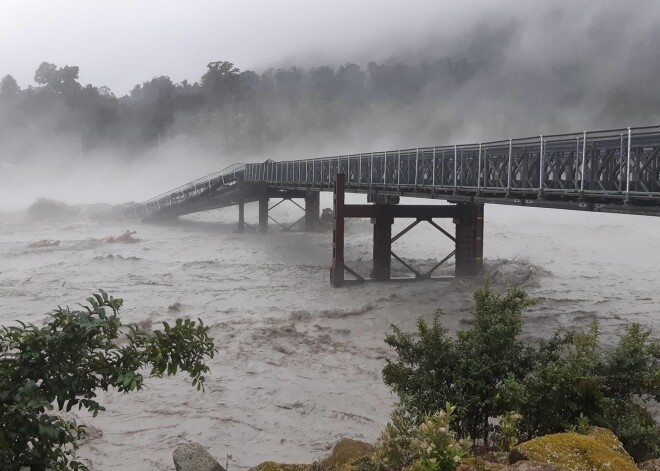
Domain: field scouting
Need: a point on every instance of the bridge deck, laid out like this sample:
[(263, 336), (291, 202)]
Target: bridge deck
[(616, 170)]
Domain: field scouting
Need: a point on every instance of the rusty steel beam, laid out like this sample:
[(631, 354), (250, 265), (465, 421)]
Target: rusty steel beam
[(241, 205), (263, 214), (469, 239), (417, 211), (312, 210), (337, 269), (382, 247)]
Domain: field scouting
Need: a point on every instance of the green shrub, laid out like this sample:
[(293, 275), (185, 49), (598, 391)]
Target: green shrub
[(394, 449), (508, 430), (64, 363), (556, 385), (429, 446), (435, 368), (579, 382)]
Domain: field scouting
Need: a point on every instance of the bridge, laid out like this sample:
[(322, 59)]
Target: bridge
[(608, 171)]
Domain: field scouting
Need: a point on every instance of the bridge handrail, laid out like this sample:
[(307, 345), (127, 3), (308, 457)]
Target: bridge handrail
[(621, 163), (225, 171), (227, 174), (570, 163)]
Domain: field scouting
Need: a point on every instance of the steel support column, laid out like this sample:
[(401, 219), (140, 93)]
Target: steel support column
[(469, 239), (241, 205), (263, 214), (337, 269), (312, 210), (382, 253)]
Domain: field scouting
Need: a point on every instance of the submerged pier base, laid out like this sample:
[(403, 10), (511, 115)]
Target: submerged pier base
[(309, 220), (468, 238), (312, 210)]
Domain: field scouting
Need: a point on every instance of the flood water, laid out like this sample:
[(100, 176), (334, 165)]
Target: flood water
[(299, 363)]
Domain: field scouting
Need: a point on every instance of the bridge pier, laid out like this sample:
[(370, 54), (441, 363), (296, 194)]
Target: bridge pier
[(241, 217), (312, 210), (241, 204), (468, 239), (263, 213), (382, 250), (338, 268)]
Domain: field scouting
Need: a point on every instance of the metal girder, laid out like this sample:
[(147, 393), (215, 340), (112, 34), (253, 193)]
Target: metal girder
[(619, 168), (417, 211), (595, 165)]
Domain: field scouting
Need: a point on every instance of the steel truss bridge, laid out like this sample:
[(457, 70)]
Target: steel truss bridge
[(611, 171)]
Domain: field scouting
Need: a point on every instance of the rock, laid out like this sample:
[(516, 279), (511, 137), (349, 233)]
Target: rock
[(346, 452), (575, 452), (479, 464), (346, 455), (532, 466), (272, 466), (607, 438), (194, 457), (650, 465)]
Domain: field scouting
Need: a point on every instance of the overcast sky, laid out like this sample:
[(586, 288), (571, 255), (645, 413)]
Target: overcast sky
[(120, 43)]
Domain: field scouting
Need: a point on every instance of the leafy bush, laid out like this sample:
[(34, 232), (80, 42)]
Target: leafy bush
[(580, 383), (62, 364), (508, 430), (430, 446), (556, 384), (436, 368)]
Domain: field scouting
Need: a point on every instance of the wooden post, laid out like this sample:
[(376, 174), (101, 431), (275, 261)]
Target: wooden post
[(337, 269)]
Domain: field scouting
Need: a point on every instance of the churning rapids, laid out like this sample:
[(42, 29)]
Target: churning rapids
[(299, 363)]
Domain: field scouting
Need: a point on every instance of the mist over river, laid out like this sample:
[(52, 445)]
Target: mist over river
[(299, 363)]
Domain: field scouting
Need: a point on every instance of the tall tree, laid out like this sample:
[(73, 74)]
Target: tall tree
[(222, 82), (60, 80), (9, 86)]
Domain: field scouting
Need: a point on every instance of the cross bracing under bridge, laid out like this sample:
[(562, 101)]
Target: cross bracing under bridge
[(615, 170)]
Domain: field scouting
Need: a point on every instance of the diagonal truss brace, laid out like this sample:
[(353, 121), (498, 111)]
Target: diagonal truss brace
[(419, 275), (286, 228)]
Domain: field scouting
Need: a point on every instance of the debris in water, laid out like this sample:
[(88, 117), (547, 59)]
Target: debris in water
[(125, 238), (44, 243)]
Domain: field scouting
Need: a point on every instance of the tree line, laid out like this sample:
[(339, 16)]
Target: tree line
[(227, 108)]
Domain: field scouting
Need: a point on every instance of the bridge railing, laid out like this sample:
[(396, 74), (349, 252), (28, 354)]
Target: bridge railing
[(614, 162), (184, 192)]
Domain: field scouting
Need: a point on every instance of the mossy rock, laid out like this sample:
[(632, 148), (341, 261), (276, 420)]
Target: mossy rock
[(573, 452), (479, 464), (650, 465), (346, 454), (532, 466), (607, 438), (272, 466)]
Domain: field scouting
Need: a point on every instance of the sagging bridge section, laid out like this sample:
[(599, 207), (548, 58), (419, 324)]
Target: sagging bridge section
[(608, 171)]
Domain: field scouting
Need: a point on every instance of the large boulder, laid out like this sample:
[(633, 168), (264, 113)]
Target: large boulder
[(194, 457), (607, 438), (532, 466), (575, 452), (345, 453), (650, 465), (273, 466)]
